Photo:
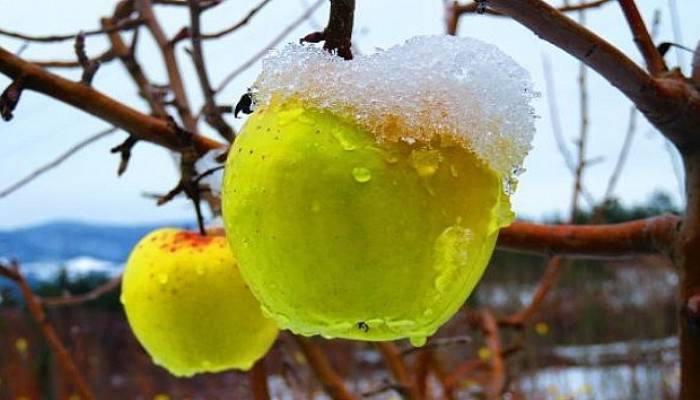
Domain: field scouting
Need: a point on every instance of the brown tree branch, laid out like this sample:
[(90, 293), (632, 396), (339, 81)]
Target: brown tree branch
[(274, 42), (493, 343), (75, 300), (338, 33), (102, 58), (237, 25), (257, 379), (655, 63), (37, 312), (145, 7), (121, 26), (332, 383), (55, 162), (651, 235), (546, 282), (212, 113), (93, 102), (668, 102), (128, 58), (394, 361), (455, 10)]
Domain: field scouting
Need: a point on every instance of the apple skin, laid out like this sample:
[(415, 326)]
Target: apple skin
[(343, 235), (189, 307)]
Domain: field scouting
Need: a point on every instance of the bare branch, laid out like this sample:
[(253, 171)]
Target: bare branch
[(124, 150), (274, 42), (393, 360), (80, 299), (454, 10), (37, 312), (556, 127), (237, 25), (56, 162), (645, 236), (121, 26), (10, 97), (257, 378), (546, 282), (668, 102), (145, 7), (128, 59), (211, 111), (102, 58), (655, 63), (330, 380), (89, 66), (93, 102)]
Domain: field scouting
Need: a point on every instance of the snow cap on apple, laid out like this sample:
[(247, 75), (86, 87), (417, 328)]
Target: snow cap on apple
[(363, 198)]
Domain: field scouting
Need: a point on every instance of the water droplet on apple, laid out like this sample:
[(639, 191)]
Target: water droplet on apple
[(361, 174), (163, 279), (345, 143)]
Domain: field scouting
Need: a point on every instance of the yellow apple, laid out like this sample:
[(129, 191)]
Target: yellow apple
[(189, 307), (342, 234)]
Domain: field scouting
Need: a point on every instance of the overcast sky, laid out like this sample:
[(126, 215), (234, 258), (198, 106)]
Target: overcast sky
[(86, 187)]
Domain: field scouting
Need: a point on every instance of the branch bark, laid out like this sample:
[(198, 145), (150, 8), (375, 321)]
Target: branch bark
[(145, 7), (651, 235), (393, 360), (652, 57), (144, 127), (37, 312), (668, 102), (211, 111), (332, 383)]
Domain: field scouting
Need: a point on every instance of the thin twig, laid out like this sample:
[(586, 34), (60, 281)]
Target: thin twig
[(330, 380), (655, 63), (493, 343), (582, 142), (37, 312), (93, 102), (56, 162), (274, 42), (554, 266), (393, 360), (212, 112), (176, 84), (257, 378), (556, 126), (122, 25), (237, 25), (455, 10), (75, 300)]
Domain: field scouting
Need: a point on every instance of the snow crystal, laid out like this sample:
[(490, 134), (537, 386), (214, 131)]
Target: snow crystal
[(429, 86)]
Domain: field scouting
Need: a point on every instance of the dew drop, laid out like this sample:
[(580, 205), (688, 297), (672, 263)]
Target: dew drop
[(200, 270), (361, 174), (418, 341), (345, 143), (163, 279)]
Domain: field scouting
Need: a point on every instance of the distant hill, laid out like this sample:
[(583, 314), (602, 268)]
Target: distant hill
[(59, 241)]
